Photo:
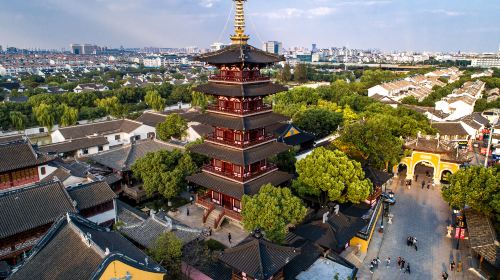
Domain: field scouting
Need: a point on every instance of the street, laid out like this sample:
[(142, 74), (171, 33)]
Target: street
[(421, 213)]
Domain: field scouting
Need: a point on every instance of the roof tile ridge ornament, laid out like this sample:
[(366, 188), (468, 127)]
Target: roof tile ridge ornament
[(239, 37)]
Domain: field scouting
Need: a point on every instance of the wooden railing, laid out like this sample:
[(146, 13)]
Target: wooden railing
[(237, 176), (234, 215), (375, 194), (241, 112), (223, 78), (240, 144), (207, 212), (219, 218)]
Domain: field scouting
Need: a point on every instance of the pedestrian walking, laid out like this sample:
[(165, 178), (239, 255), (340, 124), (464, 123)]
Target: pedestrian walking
[(428, 185), (187, 211), (452, 265), (415, 243), (371, 267), (229, 237), (209, 231), (403, 263), (444, 275), (423, 184), (388, 262), (409, 241), (191, 199), (408, 268), (399, 261), (416, 178)]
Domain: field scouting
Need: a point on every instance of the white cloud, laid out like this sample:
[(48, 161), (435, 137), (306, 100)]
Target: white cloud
[(208, 3), (447, 12), (292, 13)]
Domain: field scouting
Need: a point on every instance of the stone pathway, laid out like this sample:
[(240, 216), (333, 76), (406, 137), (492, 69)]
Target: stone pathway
[(424, 215)]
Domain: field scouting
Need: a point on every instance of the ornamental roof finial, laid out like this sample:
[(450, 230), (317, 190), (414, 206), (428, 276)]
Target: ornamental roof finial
[(239, 37)]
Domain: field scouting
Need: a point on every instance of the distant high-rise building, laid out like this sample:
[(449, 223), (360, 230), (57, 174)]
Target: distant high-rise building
[(84, 48), (273, 47), (217, 46), (314, 48), (1, 48)]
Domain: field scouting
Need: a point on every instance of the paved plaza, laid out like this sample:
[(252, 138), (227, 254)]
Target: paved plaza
[(421, 213)]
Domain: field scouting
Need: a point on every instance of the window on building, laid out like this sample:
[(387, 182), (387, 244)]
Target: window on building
[(237, 137), (100, 148), (85, 151), (218, 163), (137, 137), (237, 204), (41, 130), (42, 170), (220, 133), (117, 137)]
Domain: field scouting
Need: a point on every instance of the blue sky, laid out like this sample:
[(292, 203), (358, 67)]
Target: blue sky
[(434, 25)]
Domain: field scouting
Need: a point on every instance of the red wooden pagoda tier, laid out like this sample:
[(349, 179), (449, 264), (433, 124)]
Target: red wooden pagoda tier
[(240, 143)]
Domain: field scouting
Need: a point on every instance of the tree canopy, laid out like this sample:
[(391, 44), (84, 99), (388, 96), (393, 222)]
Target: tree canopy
[(477, 187), (164, 172), (155, 101), (46, 115), (167, 252), (272, 210), (332, 174), (174, 126), (318, 121), (69, 115)]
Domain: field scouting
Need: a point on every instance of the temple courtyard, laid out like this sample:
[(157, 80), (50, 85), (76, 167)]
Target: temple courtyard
[(421, 213)]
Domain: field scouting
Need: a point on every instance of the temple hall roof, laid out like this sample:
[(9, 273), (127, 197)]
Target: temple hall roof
[(238, 53), (258, 258), (237, 190), (73, 145), (240, 157), (75, 248), (482, 236), (240, 123), (240, 90), (20, 154), (91, 195)]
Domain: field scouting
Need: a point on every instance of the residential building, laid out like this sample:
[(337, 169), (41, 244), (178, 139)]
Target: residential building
[(90, 87), (396, 89), (79, 147), (274, 47), (153, 62), (452, 131), (486, 62), (117, 132), (217, 46), (75, 248), (21, 164), (461, 102)]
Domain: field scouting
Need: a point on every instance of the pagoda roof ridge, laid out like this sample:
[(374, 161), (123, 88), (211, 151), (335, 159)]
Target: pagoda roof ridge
[(241, 90), (240, 53)]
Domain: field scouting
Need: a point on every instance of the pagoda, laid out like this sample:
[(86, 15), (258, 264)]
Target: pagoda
[(241, 141)]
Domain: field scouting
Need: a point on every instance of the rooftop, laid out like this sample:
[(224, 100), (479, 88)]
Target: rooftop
[(99, 128), (19, 154)]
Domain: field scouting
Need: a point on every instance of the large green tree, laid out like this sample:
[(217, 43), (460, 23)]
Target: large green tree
[(477, 187), (318, 121), (332, 176), (45, 115), (272, 210), (164, 172), (167, 252), (69, 115), (155, 101), (285, 74), (174, 126), (18, 120), (300, 73)]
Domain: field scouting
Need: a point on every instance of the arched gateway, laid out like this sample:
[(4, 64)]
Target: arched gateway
[(440, 156)]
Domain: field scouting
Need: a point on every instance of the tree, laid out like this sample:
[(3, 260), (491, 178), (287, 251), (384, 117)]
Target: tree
[(285, 161), (167, 252), (300, 73), (69, 115), (18, 120), (320, 122), (174, 126), (107, 104), (154, 100), (181, 93), (164, 172), (272, 210), (45, 115), (332, 176), (285, 74), (477, 187), (199, 99)]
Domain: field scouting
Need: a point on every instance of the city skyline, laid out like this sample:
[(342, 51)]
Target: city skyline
[(414, 26)]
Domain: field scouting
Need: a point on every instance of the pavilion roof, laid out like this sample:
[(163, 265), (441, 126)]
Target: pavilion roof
[(240, 53), (258, 258), (240, 90), (237, 190), (240, 157), (482, 236), (238, 122)]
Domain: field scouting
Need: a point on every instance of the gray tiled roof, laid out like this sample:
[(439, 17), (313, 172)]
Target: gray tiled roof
[(259, 258), (240, 157), (237, 190), (92, 194), (240, 53), (33, 206), (240, 123), (450, 128), (123, 158), (60, 173), (19, 154), (74, 144), (63, 253), (151, 118), (99, 128), (482, 236)]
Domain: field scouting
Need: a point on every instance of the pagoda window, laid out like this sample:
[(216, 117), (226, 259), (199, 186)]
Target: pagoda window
[(236, 205), (237, 105), (238, 170), (220, 134), (218, 164), (222, 104), (238, 137), (216, 197)]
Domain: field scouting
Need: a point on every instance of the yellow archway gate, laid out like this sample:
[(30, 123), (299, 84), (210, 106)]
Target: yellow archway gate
[(440, 155)]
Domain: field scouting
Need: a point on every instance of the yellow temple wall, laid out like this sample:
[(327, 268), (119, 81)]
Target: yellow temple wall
[(119, 270), (434, 159)]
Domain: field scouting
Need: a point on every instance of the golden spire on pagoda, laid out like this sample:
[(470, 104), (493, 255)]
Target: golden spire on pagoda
[(239, 37)]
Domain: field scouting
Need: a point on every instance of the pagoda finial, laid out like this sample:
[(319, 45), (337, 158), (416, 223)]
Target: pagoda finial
[(239, 37)]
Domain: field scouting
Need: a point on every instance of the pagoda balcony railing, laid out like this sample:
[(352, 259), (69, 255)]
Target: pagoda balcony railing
[(240, 112), (232, 79), (240, 144), (238, 176)]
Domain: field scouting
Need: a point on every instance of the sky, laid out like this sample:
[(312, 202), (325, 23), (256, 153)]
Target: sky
[(389, 25)]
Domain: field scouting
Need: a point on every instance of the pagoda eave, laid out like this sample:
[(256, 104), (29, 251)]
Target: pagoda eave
[(240, 90), (243, 123), (240, 54)]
